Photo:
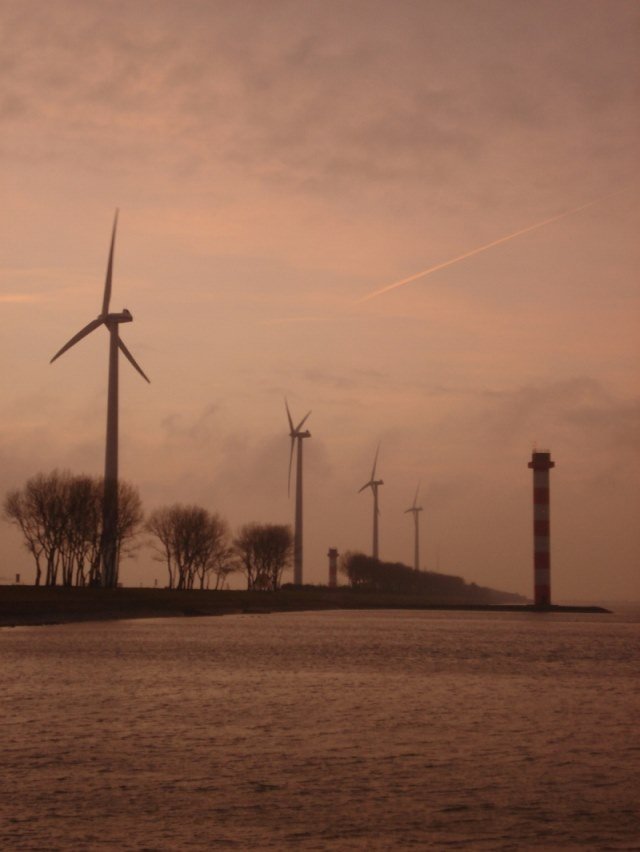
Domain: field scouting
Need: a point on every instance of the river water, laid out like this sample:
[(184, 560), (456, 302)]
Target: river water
[(312, 731)]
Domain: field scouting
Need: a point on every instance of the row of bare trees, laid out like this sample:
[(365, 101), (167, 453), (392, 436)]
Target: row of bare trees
[(60, 517), (196, 547)]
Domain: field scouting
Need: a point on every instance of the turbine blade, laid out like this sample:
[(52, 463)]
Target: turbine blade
[(107, 284), (302, 422), (366, 485), (132, 360), (293, 442), (375, 462), (83, 333), (286, 405)]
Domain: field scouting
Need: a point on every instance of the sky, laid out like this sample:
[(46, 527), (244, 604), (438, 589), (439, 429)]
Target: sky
[(275, 164)]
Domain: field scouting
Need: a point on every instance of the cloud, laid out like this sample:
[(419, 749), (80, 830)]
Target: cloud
[(317, 100), (21, 298), (354, 379), (196, 431), (579, 414)]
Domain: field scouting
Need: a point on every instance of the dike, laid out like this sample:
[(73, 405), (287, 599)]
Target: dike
[(30, 605)]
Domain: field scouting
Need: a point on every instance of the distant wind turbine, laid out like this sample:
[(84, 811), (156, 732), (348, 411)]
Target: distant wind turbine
[(415, 510), (373, 484), (108, 544), (297, 436)]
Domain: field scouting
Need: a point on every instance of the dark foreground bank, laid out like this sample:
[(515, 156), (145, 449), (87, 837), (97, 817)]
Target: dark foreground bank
[(26, 605)]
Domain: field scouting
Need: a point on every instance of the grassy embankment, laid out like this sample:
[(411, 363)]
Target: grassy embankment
[(25, 605)]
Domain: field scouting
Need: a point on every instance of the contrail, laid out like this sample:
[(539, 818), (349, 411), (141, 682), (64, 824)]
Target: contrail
[(474, 251)]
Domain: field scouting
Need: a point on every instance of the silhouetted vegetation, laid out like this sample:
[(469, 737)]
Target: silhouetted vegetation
[(264, 551), (372, 575), (194, 545), (60, 517)]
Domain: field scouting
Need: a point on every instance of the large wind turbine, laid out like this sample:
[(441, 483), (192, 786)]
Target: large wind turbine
[(108, 545), (297, 436), (373, 484), (415, 510)]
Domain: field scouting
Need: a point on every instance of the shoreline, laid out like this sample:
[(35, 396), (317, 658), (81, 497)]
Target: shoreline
[(26, 606)]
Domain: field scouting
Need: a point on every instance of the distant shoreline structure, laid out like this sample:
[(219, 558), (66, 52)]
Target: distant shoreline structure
[(22, 606)]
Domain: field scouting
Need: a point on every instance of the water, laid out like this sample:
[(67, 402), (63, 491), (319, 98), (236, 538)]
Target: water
[(312, 731)]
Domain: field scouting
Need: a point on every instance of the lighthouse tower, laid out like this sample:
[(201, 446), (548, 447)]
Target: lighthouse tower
[(541, 464)]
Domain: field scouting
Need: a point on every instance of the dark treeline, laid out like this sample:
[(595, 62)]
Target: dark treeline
[(369, 574), (60, 517)]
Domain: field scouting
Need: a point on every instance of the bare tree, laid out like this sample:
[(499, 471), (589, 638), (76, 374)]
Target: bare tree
[(60, 517), (16, 511), (193, 543), (39, 510), (160, 524), (129, 521), (264, 551)]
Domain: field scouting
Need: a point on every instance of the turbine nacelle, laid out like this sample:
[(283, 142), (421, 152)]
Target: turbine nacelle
[(124, 316), (373, 483), (298, 434)]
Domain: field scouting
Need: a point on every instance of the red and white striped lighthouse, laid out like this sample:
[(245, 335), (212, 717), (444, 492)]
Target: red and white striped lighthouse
[(541, 464)]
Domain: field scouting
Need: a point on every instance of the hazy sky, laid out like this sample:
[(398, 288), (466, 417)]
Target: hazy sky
[(276, 161)]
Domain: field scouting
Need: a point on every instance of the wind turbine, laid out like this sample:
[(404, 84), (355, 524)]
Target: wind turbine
[(373, 484), (109, 542), (415, 510), (297, 436)]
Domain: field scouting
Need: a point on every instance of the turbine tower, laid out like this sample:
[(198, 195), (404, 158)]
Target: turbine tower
[(109, 541), (415, 510), (297, 436), (373, 484)]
